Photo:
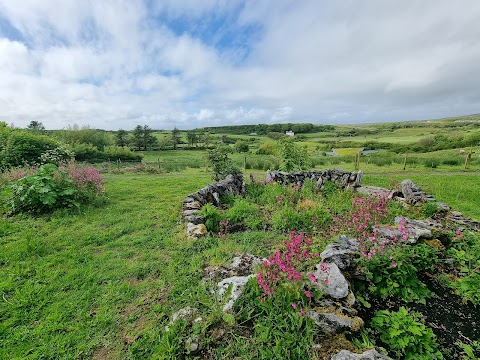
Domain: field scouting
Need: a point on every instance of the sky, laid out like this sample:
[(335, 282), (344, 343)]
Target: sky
[(112, 64)]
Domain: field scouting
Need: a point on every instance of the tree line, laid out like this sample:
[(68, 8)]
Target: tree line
[(264, 129)]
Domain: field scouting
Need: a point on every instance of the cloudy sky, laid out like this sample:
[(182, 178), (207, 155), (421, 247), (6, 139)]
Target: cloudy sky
[(193, 63)]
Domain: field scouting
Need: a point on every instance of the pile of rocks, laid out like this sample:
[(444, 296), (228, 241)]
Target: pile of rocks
[(343, 179), (333, 314)]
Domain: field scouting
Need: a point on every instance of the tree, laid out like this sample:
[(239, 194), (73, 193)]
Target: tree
[(241, 146), (138, 137), (222, 165), (206, 139), (192, 138), (35, 126), (75, 135), (293, 156), (121, 138), (143, 137), (175, 137)]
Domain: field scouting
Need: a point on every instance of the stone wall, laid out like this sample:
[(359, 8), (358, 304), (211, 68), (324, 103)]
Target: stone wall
[(210, 194), (342, 178)]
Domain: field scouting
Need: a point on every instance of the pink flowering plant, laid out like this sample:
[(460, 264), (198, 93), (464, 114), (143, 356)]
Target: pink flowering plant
[(87, 179), (51, 187), (359, 221), (289, 270), (279, 299)]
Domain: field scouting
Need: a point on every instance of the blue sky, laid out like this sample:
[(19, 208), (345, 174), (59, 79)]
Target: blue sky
[(190, 63)]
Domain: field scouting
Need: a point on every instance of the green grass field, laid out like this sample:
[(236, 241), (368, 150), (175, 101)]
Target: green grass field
[(101, 282)]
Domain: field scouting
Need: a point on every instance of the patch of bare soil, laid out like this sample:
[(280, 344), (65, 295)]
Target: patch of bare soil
[(451, 319)]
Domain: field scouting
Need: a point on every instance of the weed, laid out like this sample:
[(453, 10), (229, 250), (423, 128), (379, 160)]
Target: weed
[(212, 217), (406, 335)]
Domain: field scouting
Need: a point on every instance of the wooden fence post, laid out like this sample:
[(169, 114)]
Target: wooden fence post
[(468, 160)]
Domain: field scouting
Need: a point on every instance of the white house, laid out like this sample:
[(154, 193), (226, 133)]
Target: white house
[(289, 133)]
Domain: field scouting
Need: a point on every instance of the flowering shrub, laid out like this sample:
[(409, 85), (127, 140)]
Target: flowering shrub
[(13, 174), (56, 155), (51, 187), (286, 290), (87, 179)]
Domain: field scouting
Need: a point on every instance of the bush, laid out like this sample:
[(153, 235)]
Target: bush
[(241, 146), (56, 156), (19, 147), (267, 148), (406, 335), (52, 187), (90, 153), (279, 299), (114, 153), (222, 165), (87, 152), (394, 273), (293, 157)]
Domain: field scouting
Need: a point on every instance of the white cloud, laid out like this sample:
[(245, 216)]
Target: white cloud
[(114, 64)]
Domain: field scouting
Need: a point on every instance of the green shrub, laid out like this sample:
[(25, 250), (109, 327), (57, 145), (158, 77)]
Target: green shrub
[(406, 335), (212, 217), (56, 156), (19, 147), (241, 146), (267, 148), (52, 188), (394, 273), (87, 152), (222, 165), (293, 156), (114, 153)]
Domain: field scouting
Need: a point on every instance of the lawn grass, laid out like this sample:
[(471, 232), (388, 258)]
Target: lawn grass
[(102, 282), (78, 282)]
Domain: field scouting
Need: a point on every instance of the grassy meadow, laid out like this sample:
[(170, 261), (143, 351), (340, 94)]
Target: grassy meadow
[(101, 281)]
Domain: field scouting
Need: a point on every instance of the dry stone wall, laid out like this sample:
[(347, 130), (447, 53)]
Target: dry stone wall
[(335, 312), (210, 194), (343, 179)]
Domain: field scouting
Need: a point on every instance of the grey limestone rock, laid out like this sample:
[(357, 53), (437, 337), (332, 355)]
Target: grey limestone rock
[(375, 191), (331, 281), (342, 254), (372, 354), (237, 283), (330, 322), (413, 194), (184, 314), (196, 231)]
